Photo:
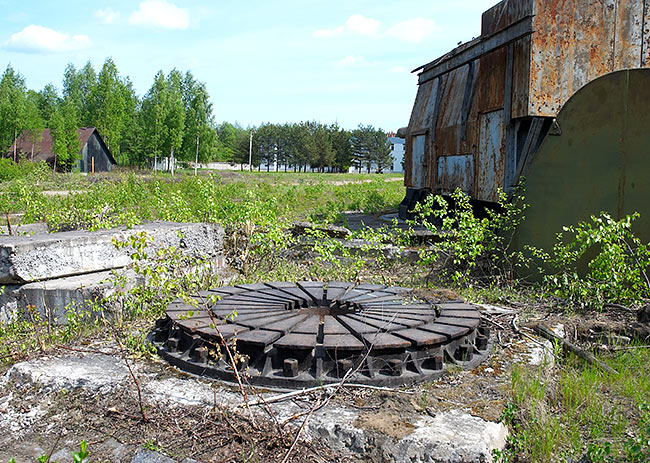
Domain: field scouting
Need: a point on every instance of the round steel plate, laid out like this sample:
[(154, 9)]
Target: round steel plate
[(294, 335)]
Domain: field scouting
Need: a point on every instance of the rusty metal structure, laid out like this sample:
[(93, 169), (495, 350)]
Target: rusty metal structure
[(293, 335), (486, 111)]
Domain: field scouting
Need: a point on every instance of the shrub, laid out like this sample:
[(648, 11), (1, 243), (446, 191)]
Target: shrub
[(617, 272), (470, 249)]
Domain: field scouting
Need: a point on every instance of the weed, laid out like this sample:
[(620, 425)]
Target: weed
[(616, 273), (574, 411), (470, 249)]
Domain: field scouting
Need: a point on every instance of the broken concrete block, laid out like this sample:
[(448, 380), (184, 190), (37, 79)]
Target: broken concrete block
[(149, 456), (25, 259), (54, 299), (102, 373), (26, 229)]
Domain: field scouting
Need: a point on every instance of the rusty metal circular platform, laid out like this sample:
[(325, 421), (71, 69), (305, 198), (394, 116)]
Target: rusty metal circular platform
[(294, 335)]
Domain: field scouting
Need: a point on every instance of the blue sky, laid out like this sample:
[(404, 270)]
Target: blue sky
[(262, 61)]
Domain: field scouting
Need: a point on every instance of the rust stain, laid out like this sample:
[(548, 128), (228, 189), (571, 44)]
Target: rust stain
[(572, 43)]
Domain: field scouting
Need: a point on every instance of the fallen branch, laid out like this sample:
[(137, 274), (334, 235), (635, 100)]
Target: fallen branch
[(620, 307), (516, 329), (545, 332), (291, 395)]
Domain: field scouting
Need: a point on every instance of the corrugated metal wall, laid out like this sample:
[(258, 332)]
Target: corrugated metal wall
[(484, 99)]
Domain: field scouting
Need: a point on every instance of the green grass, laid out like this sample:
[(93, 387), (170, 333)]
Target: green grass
[(110, 200), (575, 409)]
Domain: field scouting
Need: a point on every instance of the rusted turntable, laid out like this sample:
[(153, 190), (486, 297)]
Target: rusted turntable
[(309, 333)]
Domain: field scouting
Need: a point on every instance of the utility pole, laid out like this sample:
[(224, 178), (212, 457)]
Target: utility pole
[(196, 161), (250, 153)]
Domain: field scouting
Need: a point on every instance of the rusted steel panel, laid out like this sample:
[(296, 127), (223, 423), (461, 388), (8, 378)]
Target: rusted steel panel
[(490, 159), (418, 177), (576, 41), (449, 125), (504, 14), (645, 35), (422, 120), (532, 57), (492, 76), (455, 172), (520, 77), (424, 94), (408, 163), (452, 101), (629, 32)]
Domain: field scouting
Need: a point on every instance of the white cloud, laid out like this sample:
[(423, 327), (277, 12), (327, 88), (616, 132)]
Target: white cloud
[(327, 33), (107, 15), (159, 13), (39, 39), (412, 30), (362, 25), (356, 24)]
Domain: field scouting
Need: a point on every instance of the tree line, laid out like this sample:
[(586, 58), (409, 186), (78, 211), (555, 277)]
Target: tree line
[(174, 119)]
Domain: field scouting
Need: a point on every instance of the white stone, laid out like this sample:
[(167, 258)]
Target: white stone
[(98, 372)]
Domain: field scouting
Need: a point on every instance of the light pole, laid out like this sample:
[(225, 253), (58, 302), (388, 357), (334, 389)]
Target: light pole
[(250, 153)]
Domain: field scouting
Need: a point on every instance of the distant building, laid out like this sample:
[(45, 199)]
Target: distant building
[(397, 150), (94, 154)]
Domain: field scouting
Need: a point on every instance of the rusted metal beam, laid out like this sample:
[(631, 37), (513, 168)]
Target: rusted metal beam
[(516, 31)]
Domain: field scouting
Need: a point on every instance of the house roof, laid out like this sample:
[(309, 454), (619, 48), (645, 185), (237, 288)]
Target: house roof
[(43, 144)]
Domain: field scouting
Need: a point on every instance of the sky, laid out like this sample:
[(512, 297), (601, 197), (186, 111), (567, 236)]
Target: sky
[(262, 61)]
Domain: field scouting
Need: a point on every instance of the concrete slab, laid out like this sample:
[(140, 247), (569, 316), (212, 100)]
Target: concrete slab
[(97, 372), (149, 456), (25, 259), (450, 436), (54, 299), (26, 229)]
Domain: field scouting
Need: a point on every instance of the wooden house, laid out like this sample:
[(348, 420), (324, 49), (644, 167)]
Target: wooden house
[(94, 155)]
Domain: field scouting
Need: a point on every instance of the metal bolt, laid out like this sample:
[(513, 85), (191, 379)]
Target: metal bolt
[(481, 342), (464, 353), (200, 354), (172, 344), (290, 368)]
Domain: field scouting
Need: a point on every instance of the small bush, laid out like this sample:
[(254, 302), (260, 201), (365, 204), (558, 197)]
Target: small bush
[(617, 272), (470, 249)]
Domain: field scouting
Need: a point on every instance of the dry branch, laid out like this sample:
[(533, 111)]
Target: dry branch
[(545, 332)]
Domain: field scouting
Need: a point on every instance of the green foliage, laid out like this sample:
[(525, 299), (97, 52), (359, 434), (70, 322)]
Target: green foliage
[(10, 170), (470, 249), (615, 263), (65, 138), (13, 103)]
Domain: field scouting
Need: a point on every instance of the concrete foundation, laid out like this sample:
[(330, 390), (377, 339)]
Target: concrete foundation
[(50, 275), (25, 259), (54, 299)]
